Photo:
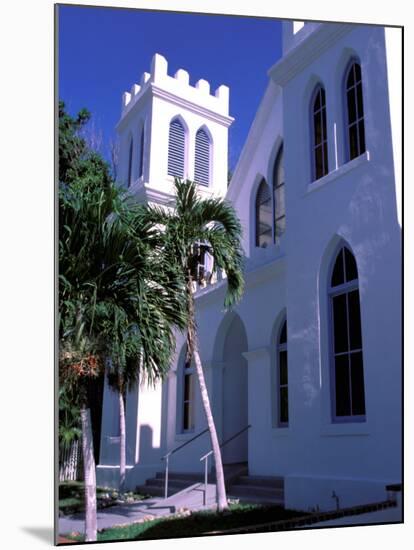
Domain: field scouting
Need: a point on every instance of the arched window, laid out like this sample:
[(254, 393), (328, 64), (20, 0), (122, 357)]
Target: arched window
[(348, 391), (279, 213), (282, 378), (141, 153), (130, 157), (176, 149), (188, 395), (320, 140), (263, 215), (202, 158), (355, 127)]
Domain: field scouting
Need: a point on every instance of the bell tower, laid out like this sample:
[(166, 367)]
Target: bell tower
[(169, 128)]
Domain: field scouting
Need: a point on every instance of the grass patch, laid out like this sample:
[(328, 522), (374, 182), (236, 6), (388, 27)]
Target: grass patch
[(199, 523)]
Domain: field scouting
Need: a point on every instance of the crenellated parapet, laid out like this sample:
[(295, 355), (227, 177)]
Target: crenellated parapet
[(178, 85)]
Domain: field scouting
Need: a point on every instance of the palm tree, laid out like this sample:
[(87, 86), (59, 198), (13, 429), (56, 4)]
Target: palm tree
[(214, 223), (148, 300)]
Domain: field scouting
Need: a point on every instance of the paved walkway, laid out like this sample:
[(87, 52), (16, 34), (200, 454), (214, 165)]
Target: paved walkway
[(125, 514)]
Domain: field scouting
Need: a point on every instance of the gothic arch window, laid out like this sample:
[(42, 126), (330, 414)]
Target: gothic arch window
[(202, 157), (188, 382), (141, 152), (176, 149), (130, 159), (282, 377), (319, 135), (347, 372), (355, 124), (279, 213), (263, 215)]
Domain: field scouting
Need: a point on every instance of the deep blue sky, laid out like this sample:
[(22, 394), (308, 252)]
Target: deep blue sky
[(102, 52)]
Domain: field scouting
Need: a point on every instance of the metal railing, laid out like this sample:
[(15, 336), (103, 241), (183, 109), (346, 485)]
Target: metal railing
[(167, 458), (206, 456)]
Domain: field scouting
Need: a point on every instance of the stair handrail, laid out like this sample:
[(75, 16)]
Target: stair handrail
[(205, 458), (166, 457)]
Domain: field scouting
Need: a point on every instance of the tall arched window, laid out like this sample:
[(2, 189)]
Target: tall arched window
[(319, 136), (130, 157), (282, 377), (141, 153), (176, 149), (279, 213), (202, 157), (188, 395), (263, 215), (348, 390), (354, 111)]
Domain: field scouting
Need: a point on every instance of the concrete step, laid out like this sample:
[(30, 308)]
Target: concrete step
[(178, 483), (187, 476), (261, 481)]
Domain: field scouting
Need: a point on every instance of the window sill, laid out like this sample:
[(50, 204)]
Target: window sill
[(339, 172), (345, 429)]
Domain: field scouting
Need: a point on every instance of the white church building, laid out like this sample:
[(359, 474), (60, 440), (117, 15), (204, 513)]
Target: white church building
[(307, 369)]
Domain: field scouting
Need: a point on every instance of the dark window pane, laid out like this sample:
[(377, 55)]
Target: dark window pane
[(361, 129), (317, 104), (284, 407), (354, 320), (263, 215), (187, 387), (317, 128), (353, 142), (357, 384), (338, 270), (283, 373), (324, 124), (278, 171), (322, 97), (351, 271), (357, 69), (351, 105), (342, 390), (325, 158), (283, 334), (351, 77), (340, 323), (186, 416), (359, 101), (318, 163)]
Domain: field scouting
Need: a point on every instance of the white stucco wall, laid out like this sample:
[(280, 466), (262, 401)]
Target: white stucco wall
[(357, 202)]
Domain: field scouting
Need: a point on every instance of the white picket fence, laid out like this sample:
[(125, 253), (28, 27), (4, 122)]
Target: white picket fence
[(70, 462)]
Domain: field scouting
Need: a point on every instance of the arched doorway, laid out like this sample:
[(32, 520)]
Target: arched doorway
[(235, 413)]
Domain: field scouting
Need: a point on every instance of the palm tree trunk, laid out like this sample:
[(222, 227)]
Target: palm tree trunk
[(89, 475), (221, 488), (192, 343), (122, 442)]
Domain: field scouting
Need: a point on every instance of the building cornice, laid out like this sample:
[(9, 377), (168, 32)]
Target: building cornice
[(190, 106), (308, 51), (152, 90)]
